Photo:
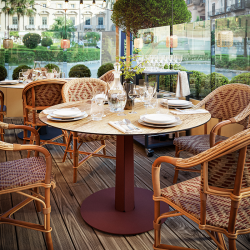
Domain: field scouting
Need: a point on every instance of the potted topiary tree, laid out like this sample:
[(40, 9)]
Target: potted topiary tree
[(79, 71), (18, 69), (3, 73), (104, 69)]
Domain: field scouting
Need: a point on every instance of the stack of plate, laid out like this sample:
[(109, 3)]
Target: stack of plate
[(181, 104), (159, 120), (67, 115)]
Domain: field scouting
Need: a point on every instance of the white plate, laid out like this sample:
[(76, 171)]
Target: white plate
[(69, 112), (67, 117), (181, 107), (178, 102), (66, 120), (160, 125), (9, 82), (158, 118)]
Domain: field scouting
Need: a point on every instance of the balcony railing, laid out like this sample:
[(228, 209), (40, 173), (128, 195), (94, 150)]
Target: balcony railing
[(87, 27), (43, 27), (216, 12), (30, 27), (100, 27), (13, 27)]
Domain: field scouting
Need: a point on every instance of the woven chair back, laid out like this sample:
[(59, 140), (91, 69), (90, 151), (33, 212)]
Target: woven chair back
[(43, 93), (228, 101), (81, 89), (222, 171), (108, 76)]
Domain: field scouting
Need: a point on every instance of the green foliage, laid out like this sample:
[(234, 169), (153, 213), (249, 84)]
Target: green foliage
[(46, 42), (240, 63), (48, 34), (16, 57), (243, 78), (196, 80), (212, 81), (18, 69), (14, 33), (52, 66), (127, 70), (3, 73), (2, 57), (134, 15), (92, 35), (79, 71), (31, 40), (59, 27), (104, 68)]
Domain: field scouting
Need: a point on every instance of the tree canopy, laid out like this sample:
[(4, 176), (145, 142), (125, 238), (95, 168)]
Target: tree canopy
[(59, 27), (134, 15)]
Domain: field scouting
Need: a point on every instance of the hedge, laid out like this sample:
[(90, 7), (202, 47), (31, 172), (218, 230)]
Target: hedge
[(243, 78), (20, 57), (2, 57)]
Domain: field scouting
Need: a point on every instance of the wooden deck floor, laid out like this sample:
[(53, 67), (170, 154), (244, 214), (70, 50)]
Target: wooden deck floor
[(69, 229)]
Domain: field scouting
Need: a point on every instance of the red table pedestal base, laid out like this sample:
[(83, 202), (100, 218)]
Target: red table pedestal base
[(98, 210)]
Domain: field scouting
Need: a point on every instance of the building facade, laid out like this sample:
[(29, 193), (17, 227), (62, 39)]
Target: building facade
[(85, 17)]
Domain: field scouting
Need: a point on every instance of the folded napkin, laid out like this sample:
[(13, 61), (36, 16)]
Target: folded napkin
[(50, 111), (182, 86), (189, 112), (124, 128)]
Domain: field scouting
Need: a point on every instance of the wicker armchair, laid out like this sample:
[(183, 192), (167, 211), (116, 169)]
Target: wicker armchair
[(77, 90), (2, 113), (218, 200), (37, 96), (229, 104), (108, 77), (24, 174)]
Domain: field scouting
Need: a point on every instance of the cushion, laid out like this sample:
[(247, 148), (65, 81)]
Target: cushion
[(4, 108), (82, 137), (196, 144), (22, 172), (186, 195)]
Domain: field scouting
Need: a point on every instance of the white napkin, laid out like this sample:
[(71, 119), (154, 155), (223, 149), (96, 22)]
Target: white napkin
[(124, 128), (190, 112), (182, 86), (50, 111)]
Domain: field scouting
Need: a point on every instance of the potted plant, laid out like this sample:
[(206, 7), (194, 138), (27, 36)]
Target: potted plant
[(129, 71)]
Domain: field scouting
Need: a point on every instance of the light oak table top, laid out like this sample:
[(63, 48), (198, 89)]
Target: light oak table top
[(86, 125)]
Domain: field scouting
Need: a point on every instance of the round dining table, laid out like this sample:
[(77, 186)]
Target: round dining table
[(124, 209)]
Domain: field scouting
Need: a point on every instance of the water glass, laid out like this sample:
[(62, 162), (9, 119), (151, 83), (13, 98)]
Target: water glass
[(96, 110), (122, 97), (99, 95)]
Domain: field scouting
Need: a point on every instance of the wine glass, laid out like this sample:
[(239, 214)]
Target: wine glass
[(167, 60), (141, 91), (132, 95)]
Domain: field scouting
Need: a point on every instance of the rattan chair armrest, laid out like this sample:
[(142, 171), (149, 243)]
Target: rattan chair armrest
[(2, 100), (13, 126), (215, 130), (242, 115), (44, 151)]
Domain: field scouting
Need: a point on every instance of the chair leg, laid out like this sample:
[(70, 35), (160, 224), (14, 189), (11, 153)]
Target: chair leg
[(67, 147), (47, 220), (104, 149), (75, 156), (157, 228), (24, 136), (38, 204), (1, 130), (232, 244), (31, 142)]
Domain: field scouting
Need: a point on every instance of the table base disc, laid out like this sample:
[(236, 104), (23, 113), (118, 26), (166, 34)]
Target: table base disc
[(98, 210)]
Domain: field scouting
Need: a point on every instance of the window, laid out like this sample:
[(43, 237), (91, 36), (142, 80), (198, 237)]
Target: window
[(14, 20), (87, 21), (59, 6), (44, 5), (44, 20), (100, 20), (31, 20), (72, 6), (73, 20), (113, 28)]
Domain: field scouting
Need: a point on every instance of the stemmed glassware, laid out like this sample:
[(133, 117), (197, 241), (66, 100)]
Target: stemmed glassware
[(133, 93)]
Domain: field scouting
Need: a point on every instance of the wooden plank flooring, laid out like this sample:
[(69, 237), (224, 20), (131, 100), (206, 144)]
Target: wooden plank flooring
[(69, 229)]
